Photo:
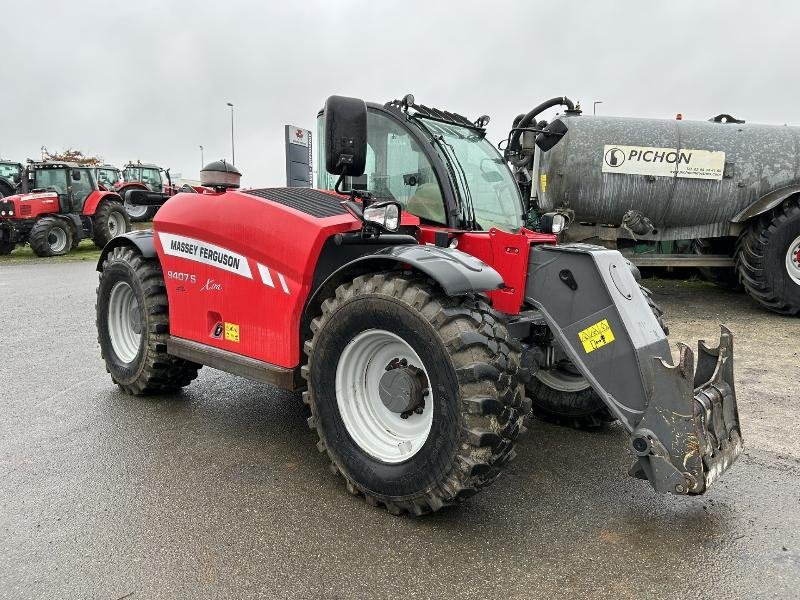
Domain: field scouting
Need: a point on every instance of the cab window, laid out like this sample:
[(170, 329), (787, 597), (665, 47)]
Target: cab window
[(81, 188), (396, 169), (152, 179)]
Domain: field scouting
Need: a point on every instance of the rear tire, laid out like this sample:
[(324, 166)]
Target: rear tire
[(768, 259), (574, 403), (724, 277), (109, 221), (51, 236), (133, 326), (474, 411)]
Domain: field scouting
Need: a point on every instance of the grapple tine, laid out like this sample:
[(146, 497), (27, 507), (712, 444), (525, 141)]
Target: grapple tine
[(689, 437)]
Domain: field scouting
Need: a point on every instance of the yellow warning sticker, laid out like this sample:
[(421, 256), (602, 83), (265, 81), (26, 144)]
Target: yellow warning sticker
[(596, 336), (543, 182), (232, 332)]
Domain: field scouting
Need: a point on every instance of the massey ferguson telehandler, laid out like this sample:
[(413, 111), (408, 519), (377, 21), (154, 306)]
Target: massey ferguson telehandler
[(412, 309), (58, 205)]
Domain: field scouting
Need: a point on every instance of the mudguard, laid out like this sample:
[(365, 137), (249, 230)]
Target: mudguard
[(141, 239), (456, 272), (766, 202), (683, 425)]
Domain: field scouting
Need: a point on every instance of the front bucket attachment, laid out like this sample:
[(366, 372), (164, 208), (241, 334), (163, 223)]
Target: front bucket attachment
[(690, 432), (683, 424)]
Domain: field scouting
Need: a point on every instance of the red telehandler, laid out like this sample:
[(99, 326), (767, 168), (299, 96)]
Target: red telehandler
[(414, 304)]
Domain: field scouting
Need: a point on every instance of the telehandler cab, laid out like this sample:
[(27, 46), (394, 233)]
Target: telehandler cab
[(411, 309), (57, 206)]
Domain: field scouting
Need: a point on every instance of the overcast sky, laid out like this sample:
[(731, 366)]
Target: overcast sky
[(150, 79)]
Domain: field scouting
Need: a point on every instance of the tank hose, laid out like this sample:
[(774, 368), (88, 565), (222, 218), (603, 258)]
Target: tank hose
[(525, 121)]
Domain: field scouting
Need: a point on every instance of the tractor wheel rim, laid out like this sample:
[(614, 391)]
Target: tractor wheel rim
[(124, 322), (115, 224), (135, 210), (793, 260), (378, 431), (57, 239), (562, 380)]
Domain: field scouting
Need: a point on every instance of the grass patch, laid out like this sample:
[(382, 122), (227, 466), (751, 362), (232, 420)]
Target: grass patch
[(86, 250)]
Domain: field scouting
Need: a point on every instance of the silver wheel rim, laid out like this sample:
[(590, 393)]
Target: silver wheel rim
[(379, 432), (116, 224), (57, 239), (561, 380), (793, 260), (124, 322), (136, 211)]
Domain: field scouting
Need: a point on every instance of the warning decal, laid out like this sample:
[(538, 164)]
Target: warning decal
[(232, 332), (663, 162), (596, 336)]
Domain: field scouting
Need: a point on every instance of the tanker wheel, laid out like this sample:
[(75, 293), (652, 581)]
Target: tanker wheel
[(51, 236), (109, 221), (724, 277), (413, 393), (562, 396), (768, 259), (133, 325)]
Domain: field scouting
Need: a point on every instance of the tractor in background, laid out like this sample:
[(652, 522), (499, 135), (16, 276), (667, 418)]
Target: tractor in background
[(108, 177), (10, 176), (58, 205), (146, 184), (412, 305)]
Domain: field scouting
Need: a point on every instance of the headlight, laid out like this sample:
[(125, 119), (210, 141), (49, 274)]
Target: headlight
[(552, 223), (385, 215), (2, 213)]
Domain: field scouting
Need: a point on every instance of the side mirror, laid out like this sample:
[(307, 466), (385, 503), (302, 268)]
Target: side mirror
[(76, 175), (17, 178), (345, 136), (552, 135)]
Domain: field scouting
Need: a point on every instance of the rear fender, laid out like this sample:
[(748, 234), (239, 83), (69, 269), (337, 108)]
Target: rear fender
[(766, 202), (142, 240), (94, 200), (456, 272)]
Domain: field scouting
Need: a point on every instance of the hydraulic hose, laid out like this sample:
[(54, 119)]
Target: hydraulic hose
[(526, 120)]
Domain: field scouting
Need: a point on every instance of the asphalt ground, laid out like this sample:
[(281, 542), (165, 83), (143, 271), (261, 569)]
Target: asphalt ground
[(219, 492)]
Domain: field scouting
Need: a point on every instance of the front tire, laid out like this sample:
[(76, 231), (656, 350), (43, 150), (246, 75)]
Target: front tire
[(6, 248), (563, 396), (109, 221), (133, 326), (51, 236), (453, 441), (768, 259)]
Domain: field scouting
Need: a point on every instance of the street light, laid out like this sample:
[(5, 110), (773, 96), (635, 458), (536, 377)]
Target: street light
[(594, 106), (202, 162), (233, 150)]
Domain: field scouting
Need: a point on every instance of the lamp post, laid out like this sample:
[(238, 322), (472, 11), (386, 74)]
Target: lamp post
[(594, 106), (202, 162), (233, 149)]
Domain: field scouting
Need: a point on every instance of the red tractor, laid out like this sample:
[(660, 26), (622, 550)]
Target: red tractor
[(421, 311), (108, 177), (144, 188), (10, 174), (57, 206)]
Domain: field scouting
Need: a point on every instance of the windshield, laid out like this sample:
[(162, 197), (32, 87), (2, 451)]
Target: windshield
[(481, 177), (107, 177), (9, 171), (52, 180), (132, 174)]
